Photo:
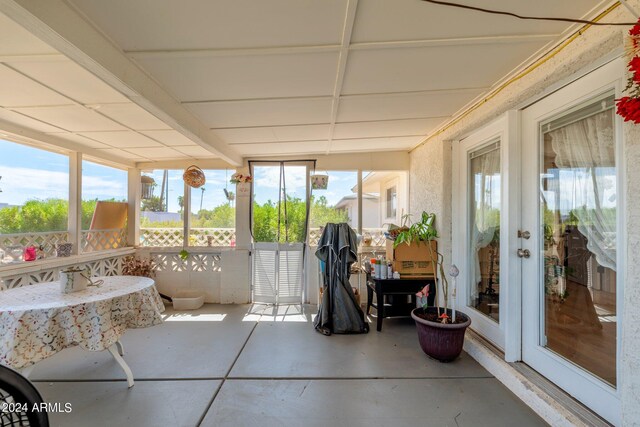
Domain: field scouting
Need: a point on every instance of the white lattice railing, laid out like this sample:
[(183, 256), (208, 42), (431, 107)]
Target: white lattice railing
[(171, 237), (14, 243), (161, 237), (108, 266), (212, 237), (377, 236), (102, 240)]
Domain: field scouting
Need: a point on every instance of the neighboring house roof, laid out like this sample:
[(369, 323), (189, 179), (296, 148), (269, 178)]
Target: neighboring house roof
[(351, 197)]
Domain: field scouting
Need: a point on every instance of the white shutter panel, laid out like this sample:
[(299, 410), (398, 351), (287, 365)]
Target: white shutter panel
[(290, 273), (264, 273)]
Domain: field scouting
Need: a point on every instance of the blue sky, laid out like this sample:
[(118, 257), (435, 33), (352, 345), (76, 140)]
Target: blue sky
[(30, 173)]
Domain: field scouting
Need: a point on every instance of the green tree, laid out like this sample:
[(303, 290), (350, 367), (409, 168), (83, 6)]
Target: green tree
[(223, 216), (153, 204)]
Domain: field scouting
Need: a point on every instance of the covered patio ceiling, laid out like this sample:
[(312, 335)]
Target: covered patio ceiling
[(140, 81)]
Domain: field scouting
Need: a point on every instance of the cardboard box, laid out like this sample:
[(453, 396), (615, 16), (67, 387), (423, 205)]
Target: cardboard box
[(414, 252), (408, 269), (412, 260)]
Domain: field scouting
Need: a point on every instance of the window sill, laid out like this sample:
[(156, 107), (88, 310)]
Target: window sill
[(190, 249), (48, 263)]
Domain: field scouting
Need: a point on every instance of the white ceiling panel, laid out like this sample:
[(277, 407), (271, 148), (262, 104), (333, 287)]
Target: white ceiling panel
[(122, 139), (82, 140), (74, 118), (196, 151), (417, 20), (70, 79), (169, 137), (386, 128), (375, 144), (18, 41), (282, 148), (22, 120), (432, 68), (132, 116), (207, 78), (263, 113), (157, 153), (124, 154), (274, 134), (205, 24), (17, 90), (403, 106)]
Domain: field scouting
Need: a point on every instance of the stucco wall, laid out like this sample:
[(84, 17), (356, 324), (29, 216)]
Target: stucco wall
[(630, 357), (430, 177)]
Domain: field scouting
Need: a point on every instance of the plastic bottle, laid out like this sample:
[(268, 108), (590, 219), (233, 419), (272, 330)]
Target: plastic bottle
[(374, 269), (389, 270), (383, 269)]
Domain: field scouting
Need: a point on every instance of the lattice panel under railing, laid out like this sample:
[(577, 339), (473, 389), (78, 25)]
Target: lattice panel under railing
[(47, 240), (101, 240), (102, 267), (377, 236), (171, 262)]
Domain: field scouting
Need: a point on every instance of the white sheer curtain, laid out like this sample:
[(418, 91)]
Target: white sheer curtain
[(585, 156), (485, 183)]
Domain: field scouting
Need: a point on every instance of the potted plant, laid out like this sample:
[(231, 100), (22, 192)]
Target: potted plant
[(440, 329)]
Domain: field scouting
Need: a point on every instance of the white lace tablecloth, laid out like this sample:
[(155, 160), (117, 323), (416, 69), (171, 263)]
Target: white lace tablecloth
[(38, 321)]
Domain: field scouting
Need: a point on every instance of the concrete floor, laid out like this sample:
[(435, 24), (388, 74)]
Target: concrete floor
[(226, 365)]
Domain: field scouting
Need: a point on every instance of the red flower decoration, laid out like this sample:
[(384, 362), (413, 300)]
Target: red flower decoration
[(635, 30), (629, 109), (634, 67)]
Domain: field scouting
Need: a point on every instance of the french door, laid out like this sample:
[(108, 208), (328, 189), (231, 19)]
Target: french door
[(486, 286), (571, 212)]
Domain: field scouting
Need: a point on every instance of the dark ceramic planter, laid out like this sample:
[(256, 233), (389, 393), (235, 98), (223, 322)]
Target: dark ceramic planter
[(443, 342)]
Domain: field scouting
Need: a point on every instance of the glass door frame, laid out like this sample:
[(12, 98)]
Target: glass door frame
[(277, 247), (505, 334), (593, 392)]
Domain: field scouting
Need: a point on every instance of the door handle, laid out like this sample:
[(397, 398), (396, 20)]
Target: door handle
[(524, 253), (524, 234)]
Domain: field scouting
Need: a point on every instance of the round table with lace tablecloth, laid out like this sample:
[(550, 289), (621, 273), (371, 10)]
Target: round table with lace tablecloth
[(37, 321)]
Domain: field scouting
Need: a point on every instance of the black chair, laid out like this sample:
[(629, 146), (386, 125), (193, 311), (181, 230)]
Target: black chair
[(18, 392)]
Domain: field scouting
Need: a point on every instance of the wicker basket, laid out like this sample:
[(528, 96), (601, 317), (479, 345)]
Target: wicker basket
[(194, 177)]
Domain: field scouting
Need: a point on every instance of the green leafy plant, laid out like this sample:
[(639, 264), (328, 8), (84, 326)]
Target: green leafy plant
[(424, 231), (184, 254)]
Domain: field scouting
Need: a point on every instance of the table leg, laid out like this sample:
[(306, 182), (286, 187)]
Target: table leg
[(120, 348), (380, 301), (369, 298), (113, 349)]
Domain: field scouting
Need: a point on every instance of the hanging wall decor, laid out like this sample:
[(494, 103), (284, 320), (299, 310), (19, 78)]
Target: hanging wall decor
[(243, 184), (629, 106), (194, 177)]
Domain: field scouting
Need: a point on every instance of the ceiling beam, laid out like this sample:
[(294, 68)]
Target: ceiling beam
[(292, 50), (349, 21), (33, 137), (200, 53), (57, 24), (464, 41)]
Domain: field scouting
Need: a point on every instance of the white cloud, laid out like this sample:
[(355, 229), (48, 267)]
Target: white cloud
[(20, 184)]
